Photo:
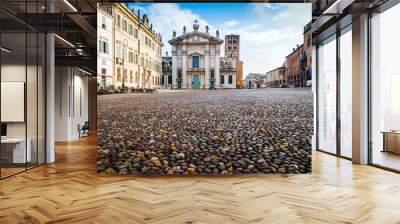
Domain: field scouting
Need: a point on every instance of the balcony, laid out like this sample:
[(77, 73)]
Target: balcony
[(196, 70)]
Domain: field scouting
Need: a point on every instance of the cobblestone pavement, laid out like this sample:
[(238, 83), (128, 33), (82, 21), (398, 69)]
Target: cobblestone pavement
[(206, 132)]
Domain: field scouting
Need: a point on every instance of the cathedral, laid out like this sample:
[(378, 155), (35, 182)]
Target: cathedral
[(196, 61)]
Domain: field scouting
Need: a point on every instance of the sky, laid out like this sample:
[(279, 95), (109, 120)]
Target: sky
[(268, 31)]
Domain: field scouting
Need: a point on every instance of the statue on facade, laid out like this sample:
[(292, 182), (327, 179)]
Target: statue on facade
[(196, 25), (184, 29), (217, 33), (207, 29), (174, 34)]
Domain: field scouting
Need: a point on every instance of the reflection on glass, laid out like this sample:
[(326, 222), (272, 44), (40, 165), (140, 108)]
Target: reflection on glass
[(386, 89), (327, 96), (346, 94), (31, 99), (13, 86)]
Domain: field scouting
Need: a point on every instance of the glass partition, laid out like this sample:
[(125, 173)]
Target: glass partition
[(327, 95), (13, 95), (22, 77)]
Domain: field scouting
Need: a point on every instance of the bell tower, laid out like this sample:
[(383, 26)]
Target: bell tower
[(232, 46)]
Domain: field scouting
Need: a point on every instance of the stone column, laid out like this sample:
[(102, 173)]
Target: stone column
[(174, 72), (184, 68), (233, 80), (207, 67), (140, 77), (217, 71)]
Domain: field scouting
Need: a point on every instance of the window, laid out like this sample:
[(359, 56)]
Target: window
[(131, 77), (103, 71), (222, 81), (179, 73), (130, 29), (118, 20), (196, 62), (230, 79), (118, 52), (124, 25), (195, 39), (385, 88), (103, 22), (130, 57), (103, 46), (135, 34), (346, 94), (229, 48), (212, 74), (327, 96)]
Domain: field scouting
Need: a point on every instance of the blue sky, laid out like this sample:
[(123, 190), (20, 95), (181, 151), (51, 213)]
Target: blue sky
[(268, 31)]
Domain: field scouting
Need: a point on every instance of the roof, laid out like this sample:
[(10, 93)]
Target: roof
[(184, 36), (295, 50)]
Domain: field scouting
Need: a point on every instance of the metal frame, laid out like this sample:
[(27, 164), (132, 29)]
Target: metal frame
[(44, 41), (339, 32)]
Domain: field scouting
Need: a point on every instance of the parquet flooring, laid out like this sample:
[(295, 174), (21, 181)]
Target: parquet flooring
[(70, 191)]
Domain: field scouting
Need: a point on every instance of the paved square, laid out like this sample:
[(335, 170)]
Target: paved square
[(206, 132)]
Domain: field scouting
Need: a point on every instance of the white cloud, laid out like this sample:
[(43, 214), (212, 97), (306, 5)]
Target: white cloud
[(265, 49), (273, 6), (231, 23), (169, 17), (264, 42), (282, 15)]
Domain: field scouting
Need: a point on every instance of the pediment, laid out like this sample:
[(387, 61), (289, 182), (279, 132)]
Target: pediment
[(195, 53), (202, 37)]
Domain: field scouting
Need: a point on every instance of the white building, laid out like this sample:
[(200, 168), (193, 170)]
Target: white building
[(228, 72), (254, 80), (105, 68), (196, 59)]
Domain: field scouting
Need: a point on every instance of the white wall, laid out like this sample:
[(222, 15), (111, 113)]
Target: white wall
[(71, 102)]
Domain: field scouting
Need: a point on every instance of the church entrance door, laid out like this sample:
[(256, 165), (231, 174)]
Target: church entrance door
[(212, 85), (196, 82)]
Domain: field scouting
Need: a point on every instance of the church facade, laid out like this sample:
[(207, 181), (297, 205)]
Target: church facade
[(196, 61)]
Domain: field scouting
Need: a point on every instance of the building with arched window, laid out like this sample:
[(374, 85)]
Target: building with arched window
[(196, 61)]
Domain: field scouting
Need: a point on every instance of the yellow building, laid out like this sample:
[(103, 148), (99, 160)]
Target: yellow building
[(239, 74), (137, 50)]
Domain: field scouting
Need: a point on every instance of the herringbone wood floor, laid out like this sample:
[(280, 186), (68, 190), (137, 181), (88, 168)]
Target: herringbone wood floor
[(70, 191)]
